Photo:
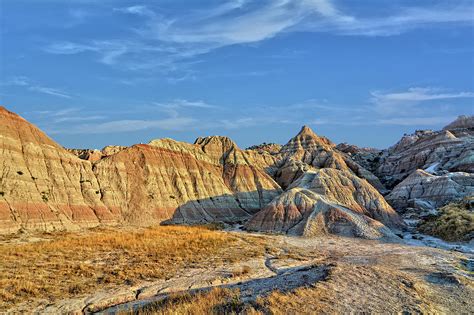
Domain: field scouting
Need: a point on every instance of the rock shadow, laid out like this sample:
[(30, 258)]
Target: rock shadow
[(227, 208), (285, 280)]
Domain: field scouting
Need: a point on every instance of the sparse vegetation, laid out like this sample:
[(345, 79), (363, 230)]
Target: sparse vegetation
[(73, 264), (216, 301), (45, 196), (241, 271), (454, 222)]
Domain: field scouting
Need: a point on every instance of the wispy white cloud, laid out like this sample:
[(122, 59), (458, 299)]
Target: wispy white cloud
[(173, 108), (65, 115), (164, 40), (141, 10), (49, 91), (23, 81), (418, 94), (405, 101), (118, 126)]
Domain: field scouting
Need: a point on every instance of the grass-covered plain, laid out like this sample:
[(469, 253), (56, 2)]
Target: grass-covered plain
[(73, 264)]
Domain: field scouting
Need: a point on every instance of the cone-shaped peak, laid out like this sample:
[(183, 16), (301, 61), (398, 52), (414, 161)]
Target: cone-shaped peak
[(305, 130), (16, 127), (6, 113), (306, 139)]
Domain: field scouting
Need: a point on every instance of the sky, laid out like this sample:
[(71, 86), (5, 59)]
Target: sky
[(94, 73)]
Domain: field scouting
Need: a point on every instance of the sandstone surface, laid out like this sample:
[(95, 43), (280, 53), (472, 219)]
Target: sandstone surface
[(328, 201), (422, 189), (450, 149), (45, 187)]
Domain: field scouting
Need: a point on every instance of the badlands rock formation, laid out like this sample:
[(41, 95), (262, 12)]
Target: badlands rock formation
[(272, 148), (449, 150), (462, 122), (309, 186), (45, 187), (425, 170), (325, 193), (424, 190), (91, 155), (94, 155), (309, 151), (328, 201)]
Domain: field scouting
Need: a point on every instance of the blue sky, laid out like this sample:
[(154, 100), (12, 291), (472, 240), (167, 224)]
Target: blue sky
[(93, 73)]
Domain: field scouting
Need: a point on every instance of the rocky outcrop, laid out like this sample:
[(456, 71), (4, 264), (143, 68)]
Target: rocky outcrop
[(424, 190), (45, 187), (450, 150), (328, 201), (94, 155), (185, 183), (90, 155), (368, 158), (272, 148), (309, 151), (462, 122), (112, 149), (42, 186)]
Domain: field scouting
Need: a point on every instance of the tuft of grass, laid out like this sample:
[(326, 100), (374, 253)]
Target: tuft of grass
[(72, 264), (454, 222), (243, 270), (215, 301)]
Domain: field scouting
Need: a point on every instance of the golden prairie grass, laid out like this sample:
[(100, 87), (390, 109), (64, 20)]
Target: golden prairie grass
[(454, 222), (75, 264), (215, 301)]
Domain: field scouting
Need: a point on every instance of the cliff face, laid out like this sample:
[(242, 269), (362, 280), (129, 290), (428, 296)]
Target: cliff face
[(184, 183), (45, 187), (42, 186)]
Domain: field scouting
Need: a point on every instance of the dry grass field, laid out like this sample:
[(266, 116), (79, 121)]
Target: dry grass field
[(200, 270), (73, 264)]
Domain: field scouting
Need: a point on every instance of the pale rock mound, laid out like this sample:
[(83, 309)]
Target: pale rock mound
[(450, 150), (424, 190), (328, 201)]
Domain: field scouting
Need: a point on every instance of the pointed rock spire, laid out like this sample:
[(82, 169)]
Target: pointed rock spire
[(306, 139), (305, 130)]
